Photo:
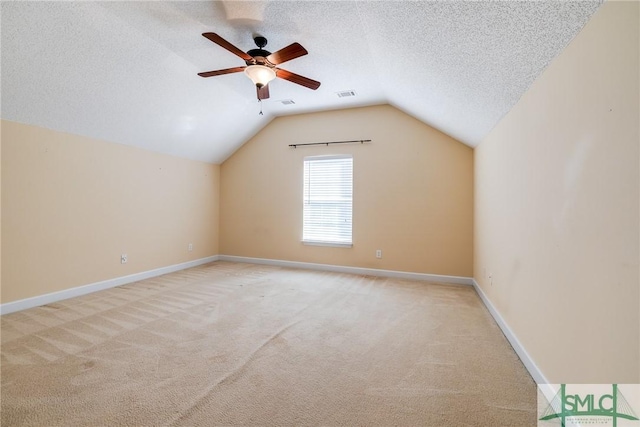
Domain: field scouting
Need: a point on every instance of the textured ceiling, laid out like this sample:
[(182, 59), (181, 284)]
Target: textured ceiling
[(126, 71)]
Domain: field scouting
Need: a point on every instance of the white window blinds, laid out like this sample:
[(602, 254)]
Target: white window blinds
[(328, 195)]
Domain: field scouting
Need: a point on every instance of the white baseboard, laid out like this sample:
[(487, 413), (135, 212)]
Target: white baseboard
[(23, 304), (352, 270), (528, 362)]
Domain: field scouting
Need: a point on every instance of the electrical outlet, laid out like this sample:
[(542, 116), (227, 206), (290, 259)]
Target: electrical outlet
[(190, 247), (378, 253), (123, 259)]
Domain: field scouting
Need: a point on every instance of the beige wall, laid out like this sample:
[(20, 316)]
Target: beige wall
[(71, 205), (413, 193), (557, 208), (1, 211)]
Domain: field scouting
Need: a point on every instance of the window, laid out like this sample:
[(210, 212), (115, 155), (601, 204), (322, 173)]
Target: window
[(328, 195)]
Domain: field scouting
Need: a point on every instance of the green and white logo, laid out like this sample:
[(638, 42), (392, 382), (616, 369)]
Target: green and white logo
[(573, 405)]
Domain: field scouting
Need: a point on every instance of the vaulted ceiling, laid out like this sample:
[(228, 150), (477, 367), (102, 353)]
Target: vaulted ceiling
[(126, 72)]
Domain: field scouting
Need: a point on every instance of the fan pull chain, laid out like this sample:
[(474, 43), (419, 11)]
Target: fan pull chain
[(260, 101)]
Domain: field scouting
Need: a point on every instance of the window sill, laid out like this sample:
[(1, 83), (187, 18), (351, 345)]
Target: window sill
[(330, 244)]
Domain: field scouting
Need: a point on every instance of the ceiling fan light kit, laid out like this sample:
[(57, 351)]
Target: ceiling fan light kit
[(261, 65), (260, 75)]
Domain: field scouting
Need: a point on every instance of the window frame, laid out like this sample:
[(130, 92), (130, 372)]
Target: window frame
[(319, 242)]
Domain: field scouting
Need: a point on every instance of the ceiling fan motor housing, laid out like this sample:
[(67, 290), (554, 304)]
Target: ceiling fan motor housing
[(259, 55)]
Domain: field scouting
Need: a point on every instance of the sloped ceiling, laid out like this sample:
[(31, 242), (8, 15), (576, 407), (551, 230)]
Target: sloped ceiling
[(126, 72)]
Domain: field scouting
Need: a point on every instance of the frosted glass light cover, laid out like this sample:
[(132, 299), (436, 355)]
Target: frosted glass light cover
[(260, 75)]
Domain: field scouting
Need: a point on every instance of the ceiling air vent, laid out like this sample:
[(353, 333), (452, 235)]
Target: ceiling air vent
[(287, 102), (345, 93)]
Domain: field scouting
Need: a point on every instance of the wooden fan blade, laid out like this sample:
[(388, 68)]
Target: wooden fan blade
[(263, 92), (220, 72), (293, 51), (297, 79), (225, 44)]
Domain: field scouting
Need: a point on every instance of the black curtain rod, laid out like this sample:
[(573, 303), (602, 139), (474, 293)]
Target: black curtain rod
[(361, 141)]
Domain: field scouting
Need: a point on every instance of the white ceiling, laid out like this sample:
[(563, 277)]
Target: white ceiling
[(126, 71)]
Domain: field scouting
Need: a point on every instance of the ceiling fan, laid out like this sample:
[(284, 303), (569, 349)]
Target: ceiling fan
[(262, 65)]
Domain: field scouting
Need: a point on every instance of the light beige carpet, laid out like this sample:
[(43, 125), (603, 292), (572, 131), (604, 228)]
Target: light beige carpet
[(238, 344)]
